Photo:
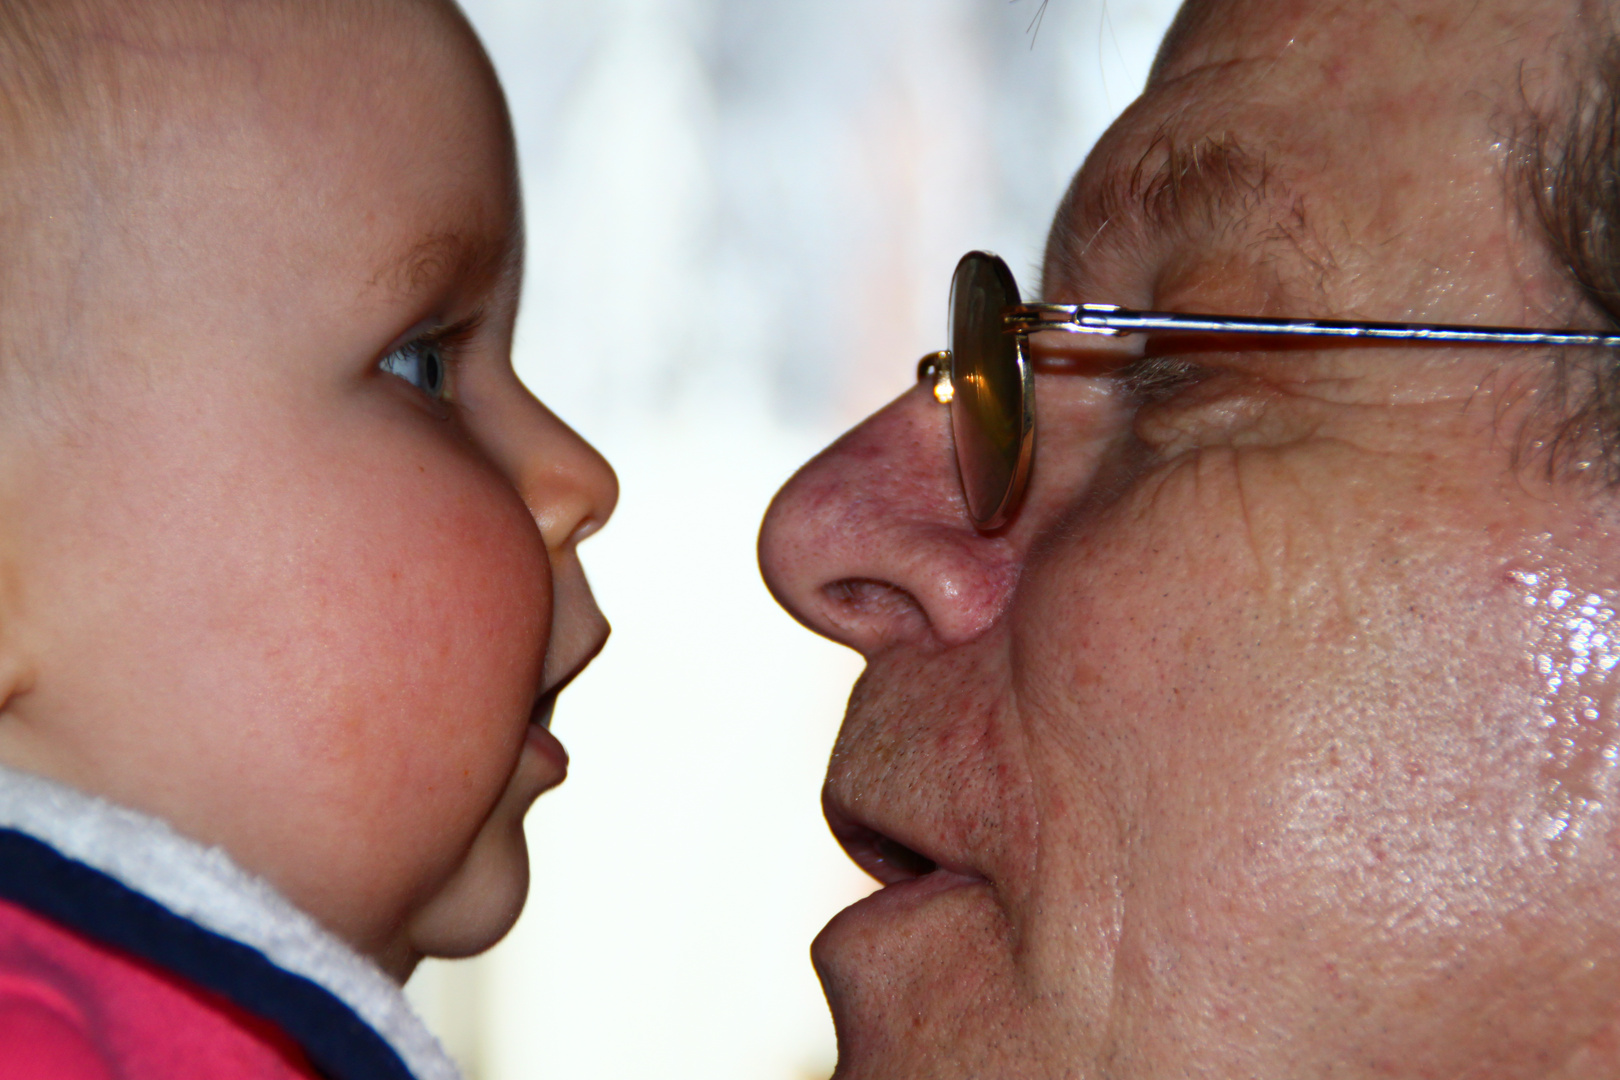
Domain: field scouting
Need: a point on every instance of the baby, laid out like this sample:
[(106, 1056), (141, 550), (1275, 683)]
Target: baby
[(288, 582)]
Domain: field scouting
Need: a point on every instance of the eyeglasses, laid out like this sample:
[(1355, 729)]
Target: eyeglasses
[(986, 379)]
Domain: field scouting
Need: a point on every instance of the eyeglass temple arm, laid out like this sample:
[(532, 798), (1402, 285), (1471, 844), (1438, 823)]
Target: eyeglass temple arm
[(1115, 321)]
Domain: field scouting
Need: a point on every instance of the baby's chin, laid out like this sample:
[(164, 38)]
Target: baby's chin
[(479, 903)]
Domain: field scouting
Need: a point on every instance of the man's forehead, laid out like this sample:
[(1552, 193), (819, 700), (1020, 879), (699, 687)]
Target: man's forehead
[(1353, 36), (1207, 32), (1312, 126)]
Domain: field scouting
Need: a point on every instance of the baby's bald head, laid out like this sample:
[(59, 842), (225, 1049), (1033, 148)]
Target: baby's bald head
[(109, 107), (81, 74)]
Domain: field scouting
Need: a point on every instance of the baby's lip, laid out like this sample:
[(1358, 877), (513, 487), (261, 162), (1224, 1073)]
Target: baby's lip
[(540, 739), (546, 703)]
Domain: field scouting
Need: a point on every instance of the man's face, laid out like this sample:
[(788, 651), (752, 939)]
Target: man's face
[(1274, 737), (301, 603)]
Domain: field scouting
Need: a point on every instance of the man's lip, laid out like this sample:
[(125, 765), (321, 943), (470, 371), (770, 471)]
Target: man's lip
[(845, 944), (896, 901)]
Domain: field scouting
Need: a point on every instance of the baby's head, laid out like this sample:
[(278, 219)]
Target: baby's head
[(287, 553)]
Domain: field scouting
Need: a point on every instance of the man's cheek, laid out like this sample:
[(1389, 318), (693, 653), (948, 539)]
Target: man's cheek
[(1570, 655)]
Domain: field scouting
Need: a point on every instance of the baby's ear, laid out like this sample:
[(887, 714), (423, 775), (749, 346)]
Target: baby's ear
[(17, 665)]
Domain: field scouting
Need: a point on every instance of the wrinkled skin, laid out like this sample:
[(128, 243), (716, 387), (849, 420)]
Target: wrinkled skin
[(251, 581), (1274, 736)]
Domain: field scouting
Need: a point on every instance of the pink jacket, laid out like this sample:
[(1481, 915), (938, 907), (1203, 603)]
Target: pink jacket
[(74, 1009), (128, 952)]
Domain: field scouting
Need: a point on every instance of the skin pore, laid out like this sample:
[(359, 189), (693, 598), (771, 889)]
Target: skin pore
[(1274, 737), (299, 602)]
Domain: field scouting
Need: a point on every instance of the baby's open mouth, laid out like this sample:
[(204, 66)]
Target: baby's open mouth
[(541, 713)]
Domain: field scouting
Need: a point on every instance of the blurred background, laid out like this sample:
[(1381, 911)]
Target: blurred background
[(743, 216)]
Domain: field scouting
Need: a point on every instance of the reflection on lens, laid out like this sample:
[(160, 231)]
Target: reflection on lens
[(991, 410)]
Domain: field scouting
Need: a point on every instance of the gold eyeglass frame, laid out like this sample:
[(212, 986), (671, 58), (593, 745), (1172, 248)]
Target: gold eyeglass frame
[(991, 393)]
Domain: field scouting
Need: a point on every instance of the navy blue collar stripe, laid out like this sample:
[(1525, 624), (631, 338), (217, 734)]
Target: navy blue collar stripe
[(339, 1044)]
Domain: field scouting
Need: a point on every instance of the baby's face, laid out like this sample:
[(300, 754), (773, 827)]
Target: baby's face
[(289, 553)]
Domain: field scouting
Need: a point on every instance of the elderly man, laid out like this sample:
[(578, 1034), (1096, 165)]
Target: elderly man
[(1273, 732)]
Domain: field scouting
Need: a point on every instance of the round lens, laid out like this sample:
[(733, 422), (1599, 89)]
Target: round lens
[(992, 414)]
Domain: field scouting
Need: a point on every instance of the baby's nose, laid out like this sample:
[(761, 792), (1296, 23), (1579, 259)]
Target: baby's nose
[(571, 490), (568, 486)]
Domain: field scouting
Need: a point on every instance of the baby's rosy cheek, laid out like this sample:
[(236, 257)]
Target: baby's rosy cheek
[(448, 646)]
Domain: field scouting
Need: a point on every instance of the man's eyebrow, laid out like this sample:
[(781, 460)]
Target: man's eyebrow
[(1202, 184), (1211, 184)]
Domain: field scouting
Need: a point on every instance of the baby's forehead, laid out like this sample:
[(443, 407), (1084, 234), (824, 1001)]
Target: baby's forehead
[(106, 75), (318, 97)]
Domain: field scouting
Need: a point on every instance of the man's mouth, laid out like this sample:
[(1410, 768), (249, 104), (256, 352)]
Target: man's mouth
[(885, 858)]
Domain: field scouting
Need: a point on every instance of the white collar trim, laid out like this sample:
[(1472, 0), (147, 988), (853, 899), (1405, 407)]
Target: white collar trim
[(203, 884)]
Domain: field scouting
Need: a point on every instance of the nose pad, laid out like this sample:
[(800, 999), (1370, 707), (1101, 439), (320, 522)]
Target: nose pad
[(870, 542)]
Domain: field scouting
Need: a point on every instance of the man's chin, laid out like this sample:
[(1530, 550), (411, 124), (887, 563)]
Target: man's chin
[(922, 982)]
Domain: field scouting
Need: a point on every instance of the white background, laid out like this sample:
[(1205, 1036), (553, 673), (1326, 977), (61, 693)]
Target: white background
[(742, 217)]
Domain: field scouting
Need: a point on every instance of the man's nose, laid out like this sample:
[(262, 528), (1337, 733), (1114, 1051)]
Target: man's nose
[(870, 543)]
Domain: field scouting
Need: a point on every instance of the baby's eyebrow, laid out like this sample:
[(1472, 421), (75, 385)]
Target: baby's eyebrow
[(437, 259)]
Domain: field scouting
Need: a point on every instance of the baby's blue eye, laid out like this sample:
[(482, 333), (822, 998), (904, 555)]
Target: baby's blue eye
[(423, 365)]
